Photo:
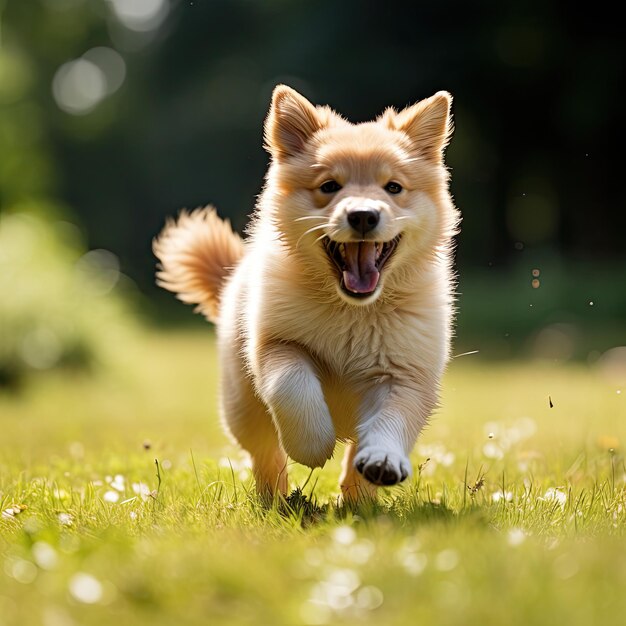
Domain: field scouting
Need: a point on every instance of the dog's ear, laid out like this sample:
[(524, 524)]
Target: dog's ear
[(428, 124), (291, 122)]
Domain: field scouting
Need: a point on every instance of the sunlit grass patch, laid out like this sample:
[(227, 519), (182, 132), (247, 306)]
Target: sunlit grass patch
[(120, 499)]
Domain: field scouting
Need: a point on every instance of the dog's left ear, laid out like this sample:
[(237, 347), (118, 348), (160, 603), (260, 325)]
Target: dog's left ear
[(291, 122), (428, 124)]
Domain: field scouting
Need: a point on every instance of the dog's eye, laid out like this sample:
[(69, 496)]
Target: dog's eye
[(330, 186), (393, 187)]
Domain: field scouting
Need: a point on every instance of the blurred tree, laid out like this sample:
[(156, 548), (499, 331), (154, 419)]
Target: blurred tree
[(59, 304), (126, 111)]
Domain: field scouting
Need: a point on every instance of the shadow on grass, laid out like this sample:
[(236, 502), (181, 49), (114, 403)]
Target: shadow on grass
[(407, 510)]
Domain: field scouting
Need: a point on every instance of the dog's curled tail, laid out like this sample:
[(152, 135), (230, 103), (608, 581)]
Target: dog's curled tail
[(197, 251)]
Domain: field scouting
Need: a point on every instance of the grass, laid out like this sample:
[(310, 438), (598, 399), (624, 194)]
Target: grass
[(124, 503)]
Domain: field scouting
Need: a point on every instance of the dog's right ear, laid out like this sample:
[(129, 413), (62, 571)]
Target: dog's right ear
[(428, 125), (291, 122)]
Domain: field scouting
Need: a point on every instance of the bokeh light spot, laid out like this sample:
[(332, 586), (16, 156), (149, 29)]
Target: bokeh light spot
[(78, 86), (85, 588), (140, 15)]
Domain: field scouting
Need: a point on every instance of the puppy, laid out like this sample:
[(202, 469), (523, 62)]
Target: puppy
[(334, 315)]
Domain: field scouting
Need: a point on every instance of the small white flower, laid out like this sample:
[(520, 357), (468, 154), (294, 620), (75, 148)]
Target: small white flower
[(13, 511), (65, 519), (555, 495), (142, 490), (118, 483), (111, 496), (498, 496)]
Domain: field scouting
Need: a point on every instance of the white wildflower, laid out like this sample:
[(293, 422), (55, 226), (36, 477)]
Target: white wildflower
[(555, 495), (111, 496), (499, 496), (118, 483), (65, 519), (142, 490)]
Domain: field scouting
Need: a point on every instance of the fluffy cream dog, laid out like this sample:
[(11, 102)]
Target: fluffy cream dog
[(334, 315)]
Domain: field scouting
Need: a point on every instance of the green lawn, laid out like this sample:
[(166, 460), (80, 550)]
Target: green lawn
[(518, 516)]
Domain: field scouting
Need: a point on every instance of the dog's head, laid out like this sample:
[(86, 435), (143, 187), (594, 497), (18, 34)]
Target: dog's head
[(359, 202)]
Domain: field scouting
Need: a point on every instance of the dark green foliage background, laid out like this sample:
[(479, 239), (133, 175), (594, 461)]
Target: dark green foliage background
[(536, 158)]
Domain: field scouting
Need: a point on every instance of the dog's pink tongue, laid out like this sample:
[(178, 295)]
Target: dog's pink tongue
[(360, 275)]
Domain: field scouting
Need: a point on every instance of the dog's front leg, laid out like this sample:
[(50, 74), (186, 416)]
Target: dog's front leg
[(388, 433), (288, 384)]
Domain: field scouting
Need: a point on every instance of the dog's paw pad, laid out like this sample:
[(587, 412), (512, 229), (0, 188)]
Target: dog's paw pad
[(382, 468)]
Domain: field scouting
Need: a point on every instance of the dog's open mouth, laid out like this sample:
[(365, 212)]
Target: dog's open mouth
[(360, 263)]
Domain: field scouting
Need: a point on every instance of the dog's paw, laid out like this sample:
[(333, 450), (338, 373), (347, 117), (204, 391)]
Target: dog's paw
[(382, 467)]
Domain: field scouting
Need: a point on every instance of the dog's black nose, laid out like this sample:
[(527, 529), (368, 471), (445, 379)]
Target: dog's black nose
[(363, 220)]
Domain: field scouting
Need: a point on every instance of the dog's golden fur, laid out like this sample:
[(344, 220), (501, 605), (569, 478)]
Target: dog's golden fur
[(314, 350)]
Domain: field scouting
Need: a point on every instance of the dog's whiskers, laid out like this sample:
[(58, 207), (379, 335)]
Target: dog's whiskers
[(309, 217), (310, 230), (335, 232)]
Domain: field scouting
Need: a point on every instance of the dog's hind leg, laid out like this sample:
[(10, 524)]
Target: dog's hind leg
[(249, 422), (353, 486)]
